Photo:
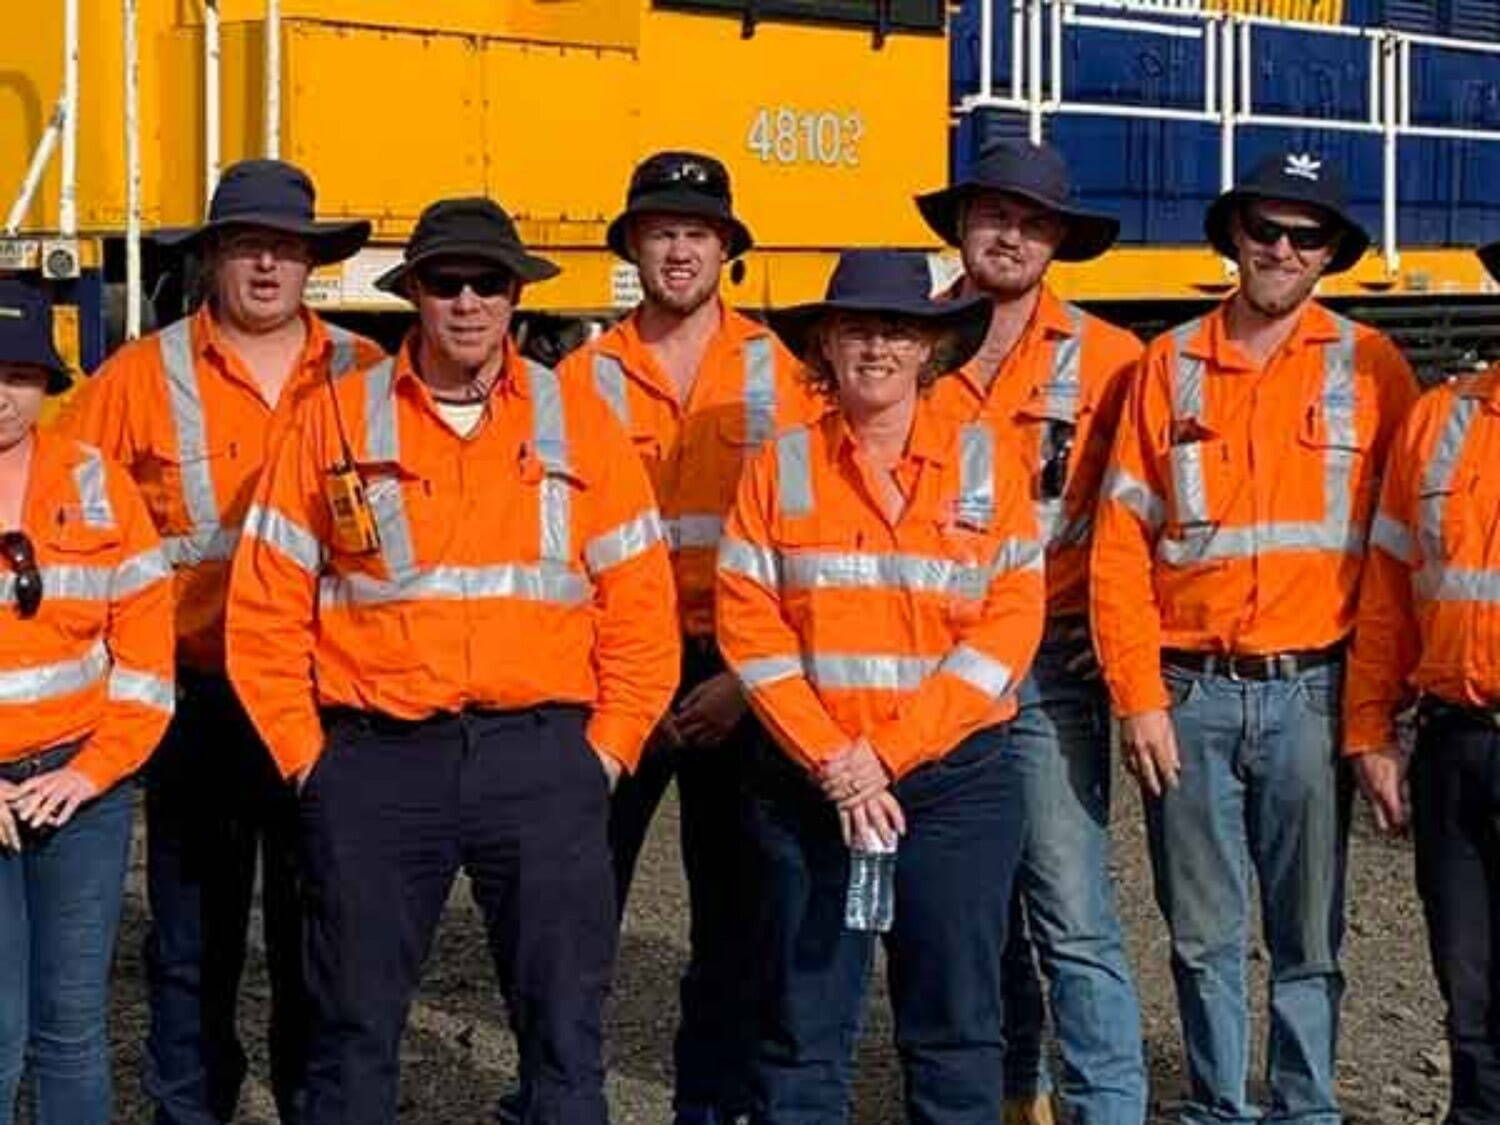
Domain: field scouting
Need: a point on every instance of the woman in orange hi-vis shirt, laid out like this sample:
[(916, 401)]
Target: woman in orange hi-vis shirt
[(85, 694), (880, 595)]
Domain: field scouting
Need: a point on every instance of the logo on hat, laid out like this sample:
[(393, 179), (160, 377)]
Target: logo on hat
[(9, 312), (1303, 165)]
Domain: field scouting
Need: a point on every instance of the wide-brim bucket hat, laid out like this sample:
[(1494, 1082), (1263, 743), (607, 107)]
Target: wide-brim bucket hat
[(679, 183), (1291, 177), (26, 333), (1036, 172), (470, 229), (893, 283), (272, 195)]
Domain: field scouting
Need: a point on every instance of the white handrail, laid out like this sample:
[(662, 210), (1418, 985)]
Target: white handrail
[(273, 78), (1228, 79), (67, 199), (44, 147), (212, 53), (132, 174)]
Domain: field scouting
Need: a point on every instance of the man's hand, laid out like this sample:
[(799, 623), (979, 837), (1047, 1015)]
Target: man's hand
[(1150, 750), (10, 831), (50, 799), (878, 817), (611, 767), (710, 712), (1382, 779), (854, 775)]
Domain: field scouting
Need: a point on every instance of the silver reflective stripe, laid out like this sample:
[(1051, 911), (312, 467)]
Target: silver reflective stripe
[(1442, 466), (383, 446), (1440, 584), (79, 583), (1136, 496), (1336, 531), (135, 574), (545, 583), (343, 356), (768, 670), (632, 538), (550, 436), (759, 564), (1060, 401), (209, 544), (1392, 537), (1018, 554), (760, 389), (44, 682), (93, 491), (869, 672), (688, 531), (1189, 492), (828, 570), (980, 672), (129, 686), (976, 474), (189, 424), (609, 382), (286, 535), (1074, 532), (794, 472)]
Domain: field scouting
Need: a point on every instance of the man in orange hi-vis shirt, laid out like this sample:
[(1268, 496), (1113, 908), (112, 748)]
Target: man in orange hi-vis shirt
[(698, 387), (1427, 631), (190, 413), (1053, 378), (452, 621), (1227, 552)]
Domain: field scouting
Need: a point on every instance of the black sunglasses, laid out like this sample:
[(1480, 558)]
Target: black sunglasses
[(1268, 232), (693, 174), (1054, 472), (21, 556), (446, 286)]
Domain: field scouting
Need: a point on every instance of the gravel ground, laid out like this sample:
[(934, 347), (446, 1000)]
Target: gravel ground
[(457, 1054)]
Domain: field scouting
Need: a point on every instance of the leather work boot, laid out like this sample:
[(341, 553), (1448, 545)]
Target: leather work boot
[(1036, 1110)]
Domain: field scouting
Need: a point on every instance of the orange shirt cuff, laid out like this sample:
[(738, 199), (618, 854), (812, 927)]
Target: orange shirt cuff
[(97, 766), (618, 736), (1137, 697)]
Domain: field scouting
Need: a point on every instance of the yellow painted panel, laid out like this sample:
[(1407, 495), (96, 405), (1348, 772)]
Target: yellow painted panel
[(606, 23), (385, 121), (828, 137), (1306, 11)]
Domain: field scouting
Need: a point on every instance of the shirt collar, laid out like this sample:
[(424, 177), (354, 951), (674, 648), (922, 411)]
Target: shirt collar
[(514, 379), (1315, 327), (930, 438), (1050, 318)]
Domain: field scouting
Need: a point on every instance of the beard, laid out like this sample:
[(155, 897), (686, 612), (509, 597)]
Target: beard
[(1273, 301), (680, 302), (1001, 277)]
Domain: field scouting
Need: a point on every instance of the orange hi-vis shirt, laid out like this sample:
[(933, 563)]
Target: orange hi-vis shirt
[(748, 388), (183, 414), (841, 623), (523, 564), (1429, 608), (1238, 502), (95, 663), (1056, 396)]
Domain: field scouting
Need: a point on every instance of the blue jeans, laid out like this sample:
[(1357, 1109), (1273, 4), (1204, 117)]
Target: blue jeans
[(60, 902), (953, 883), (1261, 785), (1069, 915)]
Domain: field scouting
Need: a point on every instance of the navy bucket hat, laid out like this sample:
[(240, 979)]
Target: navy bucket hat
[(1291, 177), (894, 283), (679, 183), (1035, 172), (473, 228), (26, 333), (273, 195)]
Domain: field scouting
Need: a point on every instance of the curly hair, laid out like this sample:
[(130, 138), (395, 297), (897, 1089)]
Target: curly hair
[(820, 377)]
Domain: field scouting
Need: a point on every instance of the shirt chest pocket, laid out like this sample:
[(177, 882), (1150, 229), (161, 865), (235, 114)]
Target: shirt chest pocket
[(1459, 520), (827, 578), (182, 489), (1333, 449), (79, 557)]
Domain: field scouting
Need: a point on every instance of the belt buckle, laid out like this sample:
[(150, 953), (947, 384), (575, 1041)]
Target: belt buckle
[(1232, 668)]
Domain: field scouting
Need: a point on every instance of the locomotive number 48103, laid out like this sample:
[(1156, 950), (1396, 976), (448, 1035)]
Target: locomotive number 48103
[(782, 135)]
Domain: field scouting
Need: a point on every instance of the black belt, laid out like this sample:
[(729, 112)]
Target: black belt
[(1434, 710), (1262, 666)]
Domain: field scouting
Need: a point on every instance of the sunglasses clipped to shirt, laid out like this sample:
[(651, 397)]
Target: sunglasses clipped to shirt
[(18, 552), (1268, 232)]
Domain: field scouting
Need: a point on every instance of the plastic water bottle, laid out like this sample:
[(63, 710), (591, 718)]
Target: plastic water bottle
[(870, 904)]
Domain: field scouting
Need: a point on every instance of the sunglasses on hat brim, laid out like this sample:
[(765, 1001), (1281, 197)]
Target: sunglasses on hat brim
[(1268, 232), (692, 174)]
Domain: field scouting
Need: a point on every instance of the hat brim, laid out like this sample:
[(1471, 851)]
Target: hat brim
[(330, 241), (1087, 235), (967, 321), (527, 268), (59, 378), (1490, 256), (677, 202), (1353, 243)]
